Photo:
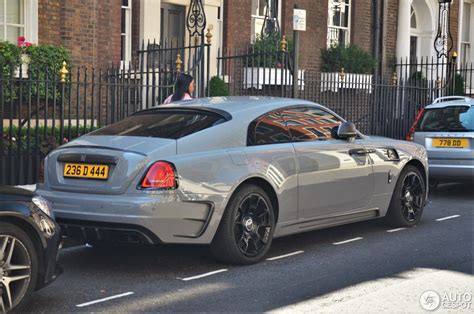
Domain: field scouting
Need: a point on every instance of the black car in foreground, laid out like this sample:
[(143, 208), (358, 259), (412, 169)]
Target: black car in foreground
[(29, 245)]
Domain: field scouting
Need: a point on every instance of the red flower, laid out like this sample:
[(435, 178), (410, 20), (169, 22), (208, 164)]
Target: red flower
[(21, 41), (28, 44)]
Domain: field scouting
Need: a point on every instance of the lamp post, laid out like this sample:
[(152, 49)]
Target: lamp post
[(443, 43)]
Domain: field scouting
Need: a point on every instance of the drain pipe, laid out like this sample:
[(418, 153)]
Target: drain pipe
[(376, 6)]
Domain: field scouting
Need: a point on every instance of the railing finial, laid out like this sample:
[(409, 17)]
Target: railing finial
[(342, 74), (64, 72), (438, 83), (178, 62), (209, 36), (394, 78), (283, 43)]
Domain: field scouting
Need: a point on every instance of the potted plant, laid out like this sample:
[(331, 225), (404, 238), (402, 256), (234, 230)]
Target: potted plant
[(22, 70), (346, 67), (267, 64)]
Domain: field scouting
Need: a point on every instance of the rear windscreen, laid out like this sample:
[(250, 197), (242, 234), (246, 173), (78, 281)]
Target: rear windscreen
[(170, 124), (448, 119)]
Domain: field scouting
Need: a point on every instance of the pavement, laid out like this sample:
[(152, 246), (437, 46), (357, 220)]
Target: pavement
[(364, 267)]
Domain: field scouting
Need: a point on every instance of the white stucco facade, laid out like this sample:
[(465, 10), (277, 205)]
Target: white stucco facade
[(426, 16), (150, 23)]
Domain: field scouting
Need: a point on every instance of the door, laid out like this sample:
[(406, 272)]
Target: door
[(172, 33), (172, 24), (334, 176)]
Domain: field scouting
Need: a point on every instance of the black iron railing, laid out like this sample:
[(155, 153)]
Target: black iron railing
[(40, 112)]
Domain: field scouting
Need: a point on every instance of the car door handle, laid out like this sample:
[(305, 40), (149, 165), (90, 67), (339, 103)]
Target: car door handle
[(361, 151)]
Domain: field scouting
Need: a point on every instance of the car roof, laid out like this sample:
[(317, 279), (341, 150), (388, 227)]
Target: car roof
[(237, 104), (452, 103)]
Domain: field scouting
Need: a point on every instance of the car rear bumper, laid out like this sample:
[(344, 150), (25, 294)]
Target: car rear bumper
[(451, 168), (150, 219)]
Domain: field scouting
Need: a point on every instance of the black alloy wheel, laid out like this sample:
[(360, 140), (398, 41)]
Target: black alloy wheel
[(246, 229)]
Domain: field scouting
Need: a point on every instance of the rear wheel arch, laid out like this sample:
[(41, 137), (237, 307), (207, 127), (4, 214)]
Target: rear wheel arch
[(268, 188)]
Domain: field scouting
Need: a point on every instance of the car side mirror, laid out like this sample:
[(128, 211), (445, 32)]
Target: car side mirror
[(347, 131)]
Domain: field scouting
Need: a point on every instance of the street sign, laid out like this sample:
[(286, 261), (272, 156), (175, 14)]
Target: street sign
[(299, 20)]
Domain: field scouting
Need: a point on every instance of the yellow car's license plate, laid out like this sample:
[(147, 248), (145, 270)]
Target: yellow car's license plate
[(450, 142), (86, 171)]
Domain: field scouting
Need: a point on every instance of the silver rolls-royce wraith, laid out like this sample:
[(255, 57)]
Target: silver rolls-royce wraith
[(232, 173)]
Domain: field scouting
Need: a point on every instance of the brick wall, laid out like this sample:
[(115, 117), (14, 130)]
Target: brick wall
[(362, 23), (48, 22), (454, 16), (237, 19), (89, 29), (314, 38)]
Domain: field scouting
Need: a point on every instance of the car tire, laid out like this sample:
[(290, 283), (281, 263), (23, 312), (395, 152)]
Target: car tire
[(408, 199), (246, 229), (24, 254)]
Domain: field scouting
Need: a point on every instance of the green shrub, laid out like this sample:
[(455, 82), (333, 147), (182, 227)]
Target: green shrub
[(45, 64), (351, 58), (45, 61), (218, 87), (266, 51), (20, 140), (458, 85)]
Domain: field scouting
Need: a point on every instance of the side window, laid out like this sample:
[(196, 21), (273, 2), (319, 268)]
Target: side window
[(268, 129), (309, 124)]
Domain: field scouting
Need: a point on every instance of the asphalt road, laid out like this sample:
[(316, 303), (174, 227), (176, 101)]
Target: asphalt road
[(363, 267)]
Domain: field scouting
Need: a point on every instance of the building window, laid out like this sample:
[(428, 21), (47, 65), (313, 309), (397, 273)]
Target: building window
[(12, 20), (126, 32), (339, 21), (466, 33), (414, 36), (260, 9), (413, 22)]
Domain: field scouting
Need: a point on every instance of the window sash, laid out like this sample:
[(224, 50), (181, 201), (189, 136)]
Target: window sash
[(7, 25), (335, 31), (126, 33)]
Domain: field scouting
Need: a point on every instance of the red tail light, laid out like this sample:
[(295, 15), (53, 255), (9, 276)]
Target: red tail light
[(161, 175), (411, 133)]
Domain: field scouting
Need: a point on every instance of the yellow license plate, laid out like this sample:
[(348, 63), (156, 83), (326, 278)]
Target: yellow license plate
[(450, 142), (86, 171)]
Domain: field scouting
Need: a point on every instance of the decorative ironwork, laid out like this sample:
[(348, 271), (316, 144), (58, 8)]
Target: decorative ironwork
[(342, 74), (178, 63), (283, 43), (270, 23), (209, 35), (196, 19), (443, 43), (63, 72)]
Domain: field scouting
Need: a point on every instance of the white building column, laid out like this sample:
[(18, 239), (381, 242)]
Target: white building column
[(150, 20), (403, 29)]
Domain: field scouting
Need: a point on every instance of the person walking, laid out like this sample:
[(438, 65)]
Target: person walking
[(183, 89)]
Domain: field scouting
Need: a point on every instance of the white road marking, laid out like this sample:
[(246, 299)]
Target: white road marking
[(285, 255), (347, 241), (449, 217), (395, 230), (204, 275), (105, 299)]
